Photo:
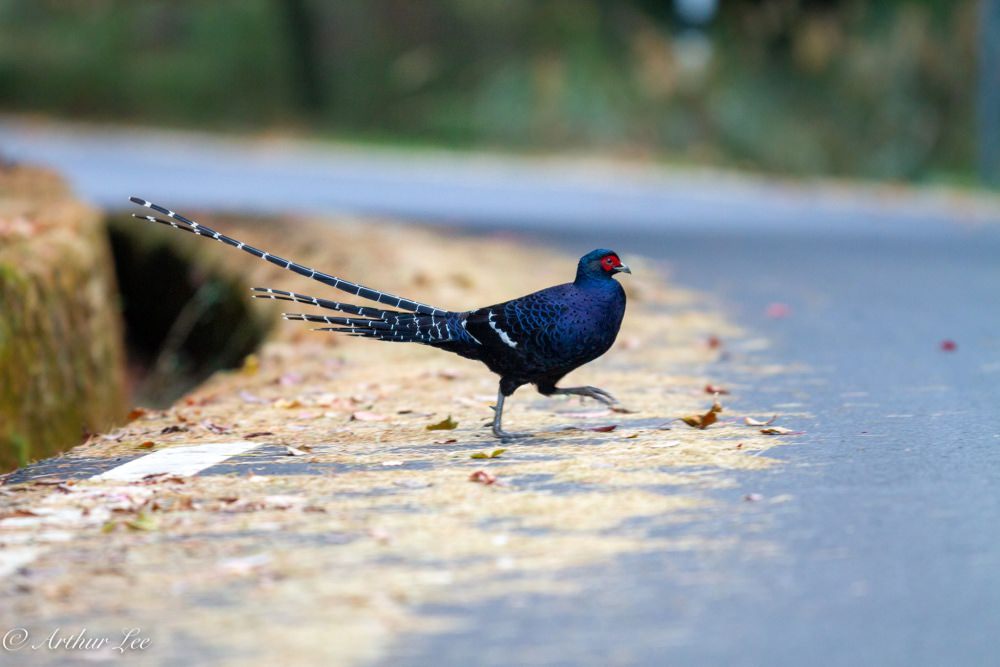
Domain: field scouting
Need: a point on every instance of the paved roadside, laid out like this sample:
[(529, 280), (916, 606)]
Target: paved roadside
[(571, 194)]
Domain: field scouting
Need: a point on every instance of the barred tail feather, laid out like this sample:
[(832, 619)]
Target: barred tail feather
[(178, 221), (393, 326), (363, 311)]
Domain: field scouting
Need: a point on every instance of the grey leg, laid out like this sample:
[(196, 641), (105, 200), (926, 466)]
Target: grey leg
[(498, 418)]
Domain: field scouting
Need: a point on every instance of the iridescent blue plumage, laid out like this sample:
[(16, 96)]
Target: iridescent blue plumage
[(535, 339)]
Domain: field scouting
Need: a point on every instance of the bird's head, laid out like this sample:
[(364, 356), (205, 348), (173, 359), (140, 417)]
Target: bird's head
[(600, 265)]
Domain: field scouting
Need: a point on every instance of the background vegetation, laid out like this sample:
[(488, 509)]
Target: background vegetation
[(882, 90)]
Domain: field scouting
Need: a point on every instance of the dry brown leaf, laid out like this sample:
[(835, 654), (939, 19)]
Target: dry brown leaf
[(707, 419), (446, 424), (776, 430)]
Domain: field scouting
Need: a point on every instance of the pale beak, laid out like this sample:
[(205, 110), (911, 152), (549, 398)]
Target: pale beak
[(623, 269)]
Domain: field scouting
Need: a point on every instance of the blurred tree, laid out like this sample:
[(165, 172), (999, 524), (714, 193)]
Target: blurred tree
[(883, 90), (305, 66)]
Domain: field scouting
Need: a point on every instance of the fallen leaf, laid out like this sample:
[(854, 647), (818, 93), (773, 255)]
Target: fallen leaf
[(251, 364), (495, 454), (482, 477), (776, 311), (136, 413), (214, 428), (447, 424), (948, 346), (707, 419), (776, 430), (715, 389), (149, 444), (288, 403), (173, 429), (714, 342), (750, 421), (364, 416), (622, 411), (258, 434), (142, 521)]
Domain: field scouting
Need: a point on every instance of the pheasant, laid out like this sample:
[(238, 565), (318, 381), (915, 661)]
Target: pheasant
[(534, 339)]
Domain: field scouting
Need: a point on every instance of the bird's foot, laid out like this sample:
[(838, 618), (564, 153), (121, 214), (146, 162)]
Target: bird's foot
[(595, 393), (506, 435)]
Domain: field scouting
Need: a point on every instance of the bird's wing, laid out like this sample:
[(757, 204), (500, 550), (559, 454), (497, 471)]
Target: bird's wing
[(518, 324)]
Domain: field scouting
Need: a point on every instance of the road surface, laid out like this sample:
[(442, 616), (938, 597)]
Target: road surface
[(888, 548)]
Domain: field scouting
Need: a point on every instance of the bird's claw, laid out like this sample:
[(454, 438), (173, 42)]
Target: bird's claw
[(595, 393), (506, 435), (599, 394)]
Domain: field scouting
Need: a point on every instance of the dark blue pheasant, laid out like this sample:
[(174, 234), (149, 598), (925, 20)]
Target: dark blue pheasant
[(535, 339)]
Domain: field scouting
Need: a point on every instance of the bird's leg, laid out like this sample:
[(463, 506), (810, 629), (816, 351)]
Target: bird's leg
[(595, 393), (498, 418)]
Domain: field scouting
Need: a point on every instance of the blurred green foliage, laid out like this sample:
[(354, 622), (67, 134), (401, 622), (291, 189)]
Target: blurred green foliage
[(882, 90)]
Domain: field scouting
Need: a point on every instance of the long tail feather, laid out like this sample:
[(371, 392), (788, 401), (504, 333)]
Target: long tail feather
[(363, 311), (178, 221), (403, 327)]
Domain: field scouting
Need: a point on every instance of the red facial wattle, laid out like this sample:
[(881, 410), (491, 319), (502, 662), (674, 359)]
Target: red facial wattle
[(610, 262)]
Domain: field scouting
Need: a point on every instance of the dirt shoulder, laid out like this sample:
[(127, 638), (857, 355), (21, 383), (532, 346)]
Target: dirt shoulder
[(61, 352), (323, 543)]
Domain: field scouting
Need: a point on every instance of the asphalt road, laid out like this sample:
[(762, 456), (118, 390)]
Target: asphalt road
[(888, 551)]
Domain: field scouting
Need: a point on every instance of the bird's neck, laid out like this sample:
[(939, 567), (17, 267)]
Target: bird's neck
[(591, 281)]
